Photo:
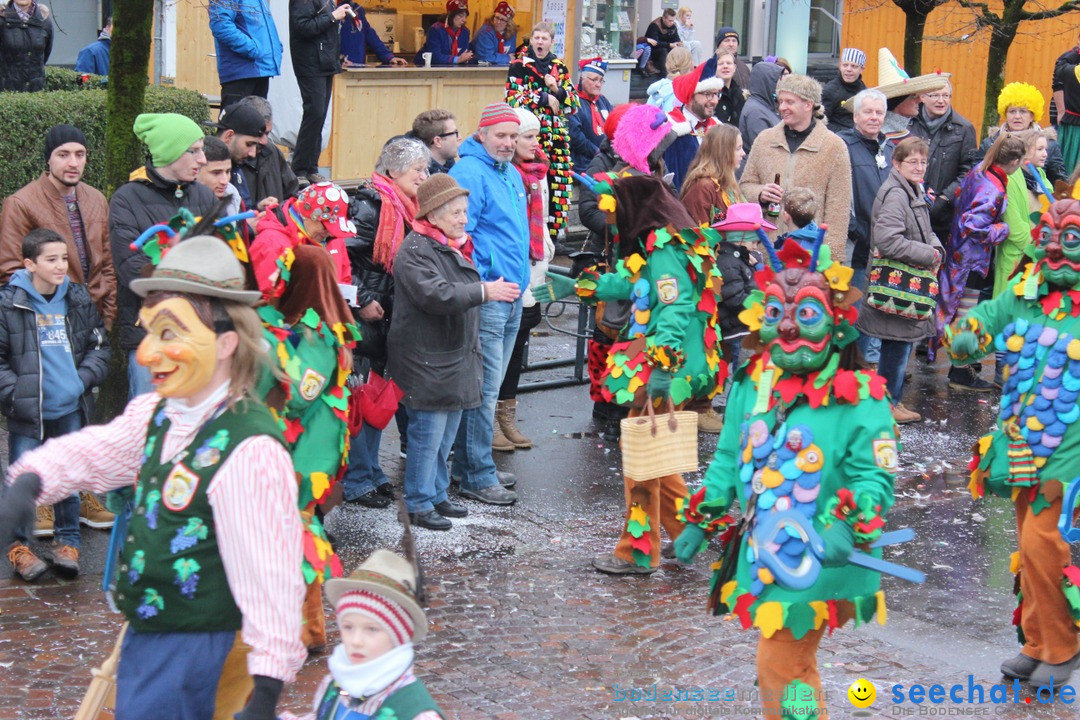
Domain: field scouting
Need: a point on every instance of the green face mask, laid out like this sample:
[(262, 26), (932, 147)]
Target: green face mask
[(798, 324), (1057, 251)]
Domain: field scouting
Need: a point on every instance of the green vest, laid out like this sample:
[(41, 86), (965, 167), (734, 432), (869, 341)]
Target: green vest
[(171, 575), (404, 703)]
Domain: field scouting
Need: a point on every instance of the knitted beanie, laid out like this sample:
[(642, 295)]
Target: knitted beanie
[(168, 135), (724, 32), (528, 120), (61, 135), (640, 131), (496, 113), (435, 192), (387, 613)]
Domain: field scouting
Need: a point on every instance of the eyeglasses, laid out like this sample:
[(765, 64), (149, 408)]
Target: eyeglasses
[(710, 95), (195, 151), (452, 133), (938, 96), (915, 163)]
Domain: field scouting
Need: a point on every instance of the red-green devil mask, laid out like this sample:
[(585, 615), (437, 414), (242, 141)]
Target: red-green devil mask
[(1056, 250)]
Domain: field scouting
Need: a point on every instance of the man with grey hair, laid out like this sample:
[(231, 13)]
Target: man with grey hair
[(268, 174), (952, 144), (499, 226), (802, 152)]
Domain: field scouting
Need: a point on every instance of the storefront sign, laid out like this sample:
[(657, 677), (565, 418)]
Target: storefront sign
[(555, 13)]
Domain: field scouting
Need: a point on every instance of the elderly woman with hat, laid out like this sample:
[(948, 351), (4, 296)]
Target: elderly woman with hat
[(434, 345), (497, 37), (1020, 107)]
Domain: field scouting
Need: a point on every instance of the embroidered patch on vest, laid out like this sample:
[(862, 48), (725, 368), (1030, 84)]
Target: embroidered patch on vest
[(311, 384), (206, 456), (885, 456), (179, 488), (667, 289)]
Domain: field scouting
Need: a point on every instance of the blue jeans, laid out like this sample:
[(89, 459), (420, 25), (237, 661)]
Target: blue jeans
[(870, 346), (65, 512), (499, 323), (363, 473), (138, 377), (891, 366), (170, 675), (431, 435)]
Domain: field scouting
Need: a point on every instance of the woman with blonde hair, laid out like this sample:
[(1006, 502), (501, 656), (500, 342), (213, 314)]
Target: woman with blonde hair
[(661, 93), (710, 185), (684, 23), (1022, 192)]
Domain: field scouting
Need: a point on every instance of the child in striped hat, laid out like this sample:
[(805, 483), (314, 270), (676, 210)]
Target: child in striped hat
[(371, 671)]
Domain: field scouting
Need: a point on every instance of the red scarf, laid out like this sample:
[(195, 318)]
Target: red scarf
[(398, 210), (597, 120), (453, 38), (462, 246), (534, 173)]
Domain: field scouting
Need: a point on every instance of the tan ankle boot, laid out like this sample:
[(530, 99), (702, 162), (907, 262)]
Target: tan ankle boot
[(500, 442), (508, 421)]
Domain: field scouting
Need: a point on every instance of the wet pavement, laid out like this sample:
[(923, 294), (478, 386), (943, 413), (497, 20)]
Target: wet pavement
[(521, 627)]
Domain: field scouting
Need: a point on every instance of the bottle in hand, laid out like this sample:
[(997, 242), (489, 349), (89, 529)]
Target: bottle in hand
[(773, 208)]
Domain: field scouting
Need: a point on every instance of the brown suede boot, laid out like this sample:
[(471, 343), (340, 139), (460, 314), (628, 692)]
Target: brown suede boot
[(500, 442), (506, 418)]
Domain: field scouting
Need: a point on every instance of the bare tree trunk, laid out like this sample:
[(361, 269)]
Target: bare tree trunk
[(1001, 38), (914, 26)]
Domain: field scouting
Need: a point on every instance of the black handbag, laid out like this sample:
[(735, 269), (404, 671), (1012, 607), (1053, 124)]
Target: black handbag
[(372, 342)]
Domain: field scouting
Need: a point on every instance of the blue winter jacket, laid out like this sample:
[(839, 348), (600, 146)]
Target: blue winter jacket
[(584, 141), (498, 214), (358, 38), (486, 46), (439, 44), (94, 58), (245, 39)]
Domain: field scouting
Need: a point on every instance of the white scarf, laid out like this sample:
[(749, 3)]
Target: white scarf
[(373, 676)]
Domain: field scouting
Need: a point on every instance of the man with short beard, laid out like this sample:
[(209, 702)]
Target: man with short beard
[(499, 226), (60, 201)]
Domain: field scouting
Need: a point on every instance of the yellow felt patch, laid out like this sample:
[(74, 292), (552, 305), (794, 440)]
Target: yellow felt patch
[(638, 515), (1014, 562), (821, 612), (606, 203), (725, 592), (882, 612), (769, 617), (320, 483), (634, 263)]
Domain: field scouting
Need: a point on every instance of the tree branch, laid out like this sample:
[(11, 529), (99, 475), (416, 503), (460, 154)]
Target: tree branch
[(983, 8), (1068, 7)]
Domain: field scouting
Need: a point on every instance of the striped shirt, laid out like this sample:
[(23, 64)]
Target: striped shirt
[(253, 496)]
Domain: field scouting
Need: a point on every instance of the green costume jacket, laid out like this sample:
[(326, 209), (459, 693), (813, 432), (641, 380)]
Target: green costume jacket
[(831, 458), (1038, 439)]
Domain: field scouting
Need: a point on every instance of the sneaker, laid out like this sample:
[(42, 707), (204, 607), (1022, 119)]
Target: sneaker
[(386, 490), (93, 514), (451, 509), (27, 565), (431, 520), (1019, 668), (43, 526), (902, 416), (611, 565), (65, 560), (506, 479), (710, 422), (1053, 675), (404, 450), (965, 378), (492, 495), (370, 499)]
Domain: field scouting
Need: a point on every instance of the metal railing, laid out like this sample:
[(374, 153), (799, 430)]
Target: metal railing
[(582, 335)]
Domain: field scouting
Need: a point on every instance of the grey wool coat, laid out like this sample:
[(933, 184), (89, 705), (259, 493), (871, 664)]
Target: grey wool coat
[(900, 230)]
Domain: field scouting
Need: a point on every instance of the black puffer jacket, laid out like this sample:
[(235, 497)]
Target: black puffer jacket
[(20, 361), (134, 207), (736, 265), (268, 175), (25, 46), (592, 217), (373, 282), (314, 38)]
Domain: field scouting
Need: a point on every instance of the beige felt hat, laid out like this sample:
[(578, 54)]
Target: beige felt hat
[(893, 82), (201, 265), (389, 575)]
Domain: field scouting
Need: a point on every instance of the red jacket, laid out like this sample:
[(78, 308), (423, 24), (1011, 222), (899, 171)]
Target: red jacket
[(275, 234)]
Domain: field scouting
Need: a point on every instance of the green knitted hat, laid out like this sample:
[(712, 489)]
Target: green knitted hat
[(167, 135)]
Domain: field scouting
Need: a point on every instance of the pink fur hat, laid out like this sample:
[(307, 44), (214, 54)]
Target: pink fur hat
[(640, 131)]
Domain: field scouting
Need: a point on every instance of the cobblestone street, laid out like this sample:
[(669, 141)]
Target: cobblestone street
[(523, 628)]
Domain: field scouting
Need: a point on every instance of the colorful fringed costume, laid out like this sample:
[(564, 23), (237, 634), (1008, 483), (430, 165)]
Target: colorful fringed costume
[(804, 438), (671, 277), (525, 88), (1035, 451)]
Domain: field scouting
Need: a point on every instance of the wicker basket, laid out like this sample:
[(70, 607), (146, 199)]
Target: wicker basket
[(654, 446)]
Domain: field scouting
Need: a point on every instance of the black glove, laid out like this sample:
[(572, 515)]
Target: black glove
[(263, 702), (18, 506)]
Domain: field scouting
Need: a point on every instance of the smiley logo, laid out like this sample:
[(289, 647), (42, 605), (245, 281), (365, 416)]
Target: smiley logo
[(862, 693)]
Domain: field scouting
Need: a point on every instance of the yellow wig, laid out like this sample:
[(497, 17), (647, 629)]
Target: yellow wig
[(1018, 94)]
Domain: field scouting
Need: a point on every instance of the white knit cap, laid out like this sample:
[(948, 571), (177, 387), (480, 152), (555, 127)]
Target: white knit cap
[(528, 120), (853, 55), (391, 615)]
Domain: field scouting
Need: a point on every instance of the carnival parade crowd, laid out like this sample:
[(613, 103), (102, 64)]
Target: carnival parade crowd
[(752, 235)]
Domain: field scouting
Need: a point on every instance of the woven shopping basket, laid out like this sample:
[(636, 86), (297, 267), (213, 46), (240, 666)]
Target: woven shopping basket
[(657, 445)]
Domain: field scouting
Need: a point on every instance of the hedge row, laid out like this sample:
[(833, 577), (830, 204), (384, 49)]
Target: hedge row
[(26, 117)]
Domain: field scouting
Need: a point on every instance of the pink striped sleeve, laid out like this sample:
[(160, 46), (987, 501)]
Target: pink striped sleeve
[(98, 458), (254, 498)]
